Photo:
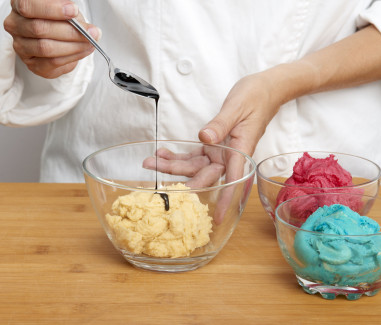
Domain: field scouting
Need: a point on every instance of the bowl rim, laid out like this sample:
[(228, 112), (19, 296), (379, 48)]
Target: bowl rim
[(260, 175), (202, 189), (279, 219)]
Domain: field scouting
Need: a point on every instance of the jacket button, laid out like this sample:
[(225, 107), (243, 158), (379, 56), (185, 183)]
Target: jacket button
[(184, 66)]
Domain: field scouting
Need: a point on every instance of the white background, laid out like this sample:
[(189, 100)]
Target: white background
[(20, 150)]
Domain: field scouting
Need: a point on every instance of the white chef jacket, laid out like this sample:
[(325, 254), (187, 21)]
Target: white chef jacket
[(192, 52)]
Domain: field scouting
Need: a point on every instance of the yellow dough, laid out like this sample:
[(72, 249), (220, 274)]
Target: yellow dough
[(140, 223)]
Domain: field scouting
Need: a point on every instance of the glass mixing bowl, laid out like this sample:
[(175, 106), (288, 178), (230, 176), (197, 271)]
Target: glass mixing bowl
[(274, 171), (173, 213), (328, 256)]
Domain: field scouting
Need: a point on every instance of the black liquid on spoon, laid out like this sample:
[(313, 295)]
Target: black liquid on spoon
[(133, 85)]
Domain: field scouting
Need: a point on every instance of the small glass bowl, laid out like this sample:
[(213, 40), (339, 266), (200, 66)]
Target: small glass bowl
[(118, 171), (329, 263), (272, 173)]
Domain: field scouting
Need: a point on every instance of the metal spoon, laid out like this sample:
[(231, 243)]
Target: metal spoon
[(122, 78)]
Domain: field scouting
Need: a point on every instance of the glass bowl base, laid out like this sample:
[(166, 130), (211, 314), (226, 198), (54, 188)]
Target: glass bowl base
[(331, 291), (170, 265)]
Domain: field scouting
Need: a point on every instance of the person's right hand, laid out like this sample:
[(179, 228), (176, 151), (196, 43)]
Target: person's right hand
[(44, 40)]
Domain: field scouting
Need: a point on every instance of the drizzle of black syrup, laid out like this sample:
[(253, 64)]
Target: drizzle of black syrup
[(132, 84), (164, 196)]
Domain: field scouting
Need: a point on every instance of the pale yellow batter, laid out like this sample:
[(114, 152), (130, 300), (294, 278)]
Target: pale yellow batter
[(141, 224)]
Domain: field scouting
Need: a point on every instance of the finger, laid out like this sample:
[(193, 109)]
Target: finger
[(234, 166), (169, 155), (48, 9), (42, 28), (223, 204), (48, 67), (46, 48), (207, 176), (215, 154), (217, 129), (51, 74), (187, 168), (56, 62), (234, 172)]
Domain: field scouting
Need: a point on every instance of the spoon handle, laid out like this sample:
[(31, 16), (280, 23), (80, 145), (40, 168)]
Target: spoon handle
[(84, 32)]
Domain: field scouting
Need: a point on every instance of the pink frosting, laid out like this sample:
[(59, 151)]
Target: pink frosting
[(314, 175)]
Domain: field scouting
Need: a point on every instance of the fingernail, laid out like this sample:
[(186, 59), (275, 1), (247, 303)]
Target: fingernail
[(211, 135), (70, 10), (95, 32)]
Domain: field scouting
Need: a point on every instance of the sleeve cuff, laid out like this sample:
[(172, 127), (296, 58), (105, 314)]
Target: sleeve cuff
[(30, 100), (371, 15)]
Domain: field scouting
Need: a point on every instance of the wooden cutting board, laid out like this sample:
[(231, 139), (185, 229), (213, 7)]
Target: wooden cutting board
[(58, 267)]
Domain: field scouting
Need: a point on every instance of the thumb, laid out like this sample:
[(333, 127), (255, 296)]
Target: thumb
[(219, 127), (228, 117)]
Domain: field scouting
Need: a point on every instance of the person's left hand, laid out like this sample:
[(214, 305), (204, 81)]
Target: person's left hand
[(204, 167), (247, 110), (242, 120)]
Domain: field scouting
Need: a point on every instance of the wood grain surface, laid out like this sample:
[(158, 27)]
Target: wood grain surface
[(58, 267)]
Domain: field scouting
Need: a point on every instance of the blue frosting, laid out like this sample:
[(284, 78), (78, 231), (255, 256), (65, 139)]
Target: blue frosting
[(340, 260)]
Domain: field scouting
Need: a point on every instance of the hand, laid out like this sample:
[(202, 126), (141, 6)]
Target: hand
[(44, 40), (243, 118), (245, 113), (255, 99), (248, 108), (205, 167)]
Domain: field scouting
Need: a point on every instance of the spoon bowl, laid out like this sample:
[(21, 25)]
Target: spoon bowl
[(122, 78)]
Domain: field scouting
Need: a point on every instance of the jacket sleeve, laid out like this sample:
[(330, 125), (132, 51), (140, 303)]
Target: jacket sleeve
[(27, 99), (372, 15)]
